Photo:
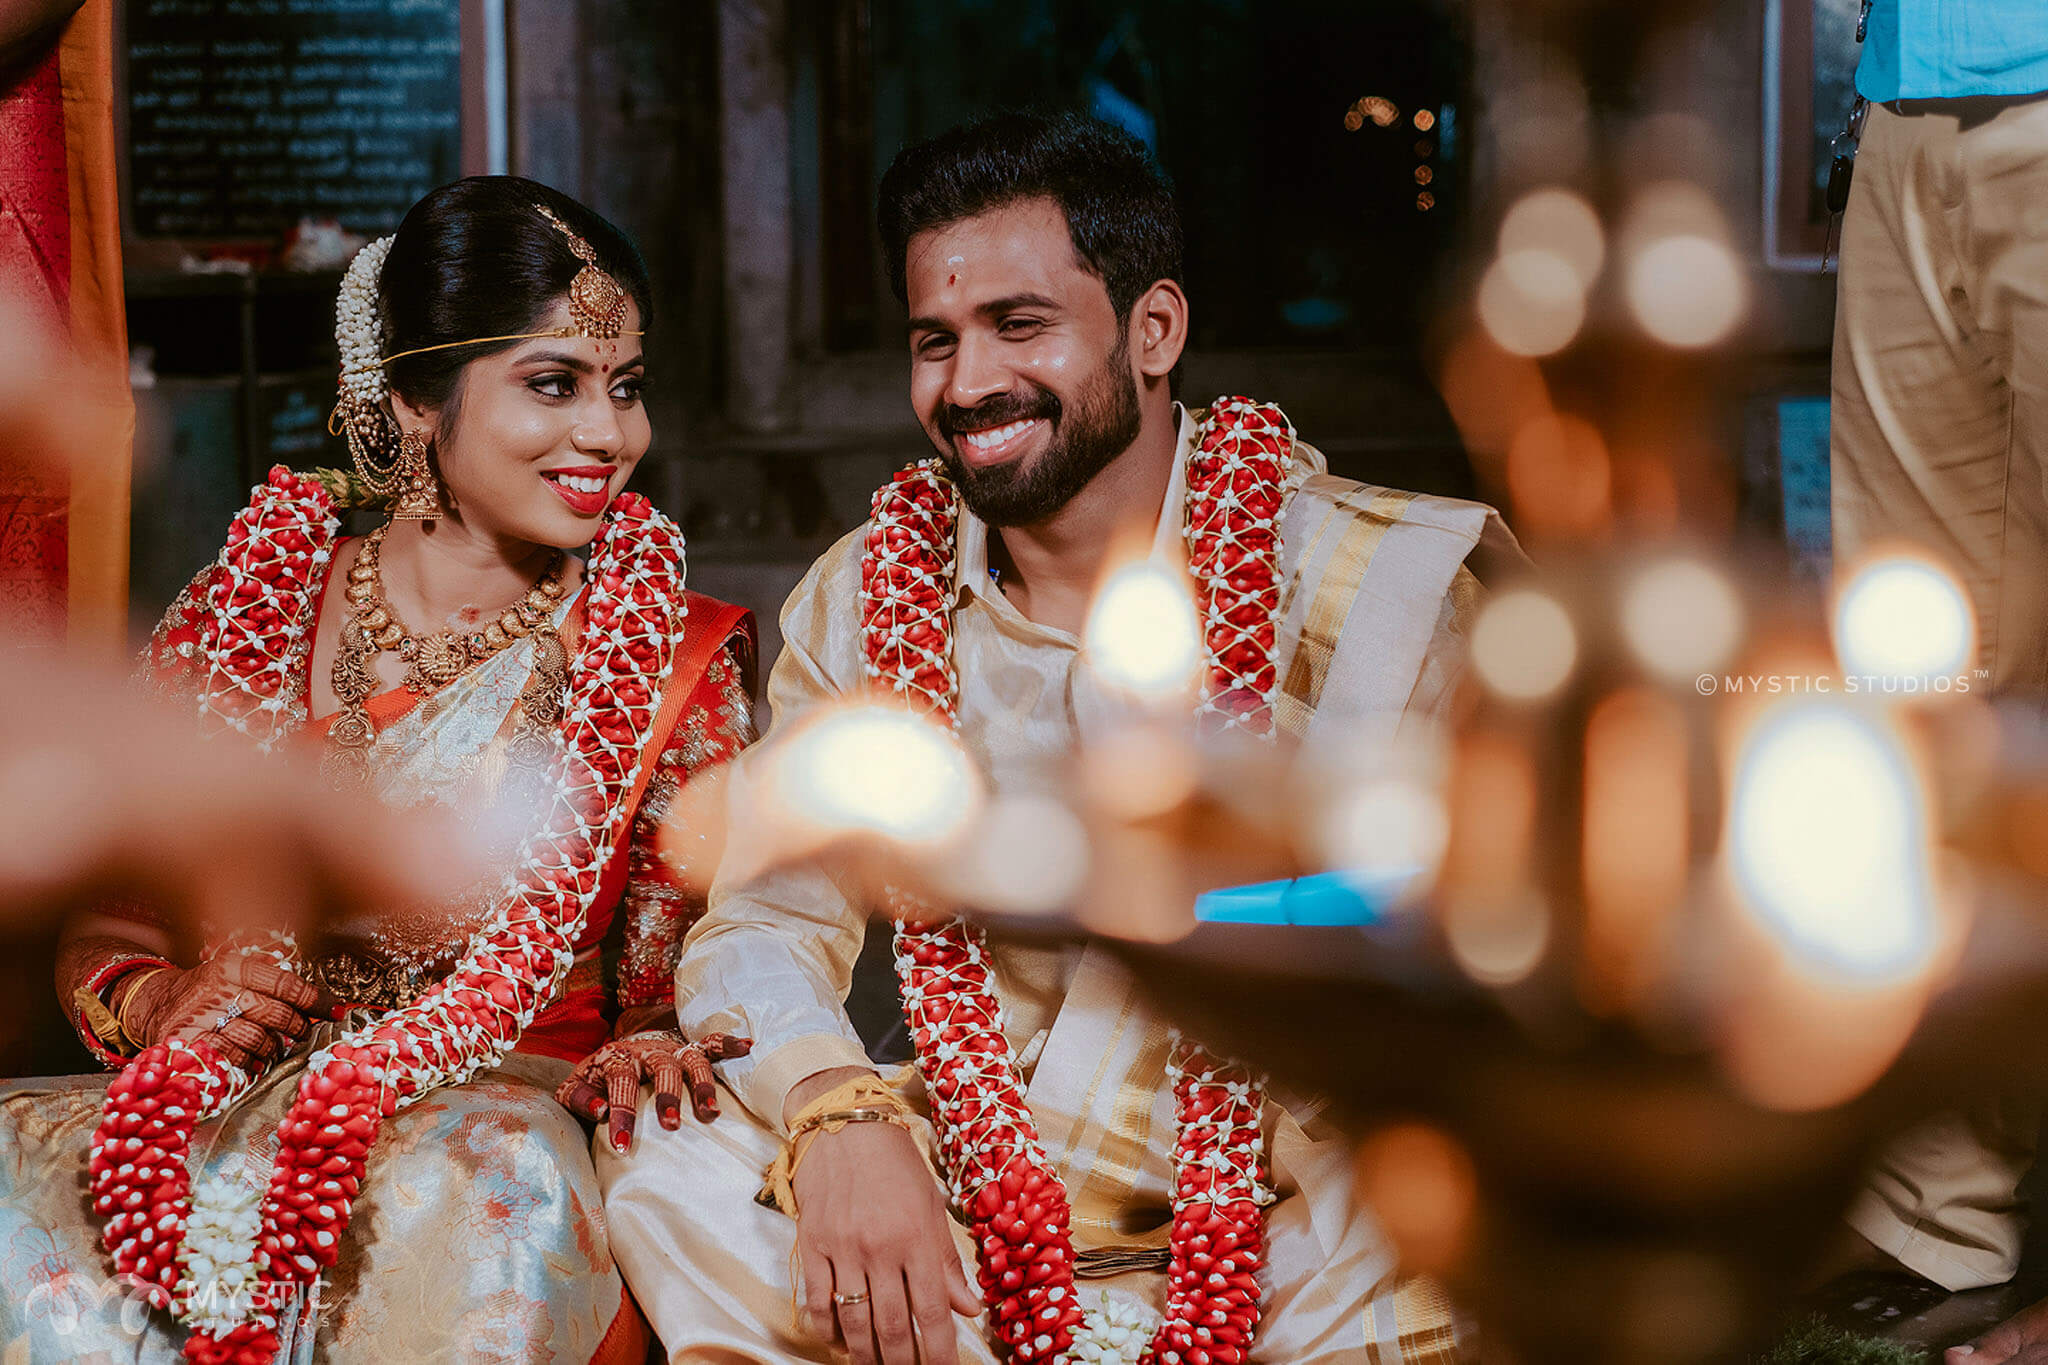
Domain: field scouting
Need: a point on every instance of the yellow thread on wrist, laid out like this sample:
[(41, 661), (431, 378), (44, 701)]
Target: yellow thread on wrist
[(863, 1100)]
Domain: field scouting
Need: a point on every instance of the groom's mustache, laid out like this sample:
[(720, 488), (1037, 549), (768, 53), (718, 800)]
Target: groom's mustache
[(998, 411)]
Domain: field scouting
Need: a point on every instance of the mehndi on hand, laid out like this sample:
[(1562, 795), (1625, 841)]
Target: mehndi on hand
[(606, 1084)]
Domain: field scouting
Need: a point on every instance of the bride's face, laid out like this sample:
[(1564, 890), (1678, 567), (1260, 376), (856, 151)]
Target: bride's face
[(540, 438)]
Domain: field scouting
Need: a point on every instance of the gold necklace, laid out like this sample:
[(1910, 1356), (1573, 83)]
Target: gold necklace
[(432, 661)]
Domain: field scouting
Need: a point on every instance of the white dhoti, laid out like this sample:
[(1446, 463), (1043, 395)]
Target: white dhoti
[(714, 1273), (716, 1279)]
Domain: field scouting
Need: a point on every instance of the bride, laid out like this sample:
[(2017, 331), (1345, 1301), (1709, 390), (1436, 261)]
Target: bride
[(378, 1163)]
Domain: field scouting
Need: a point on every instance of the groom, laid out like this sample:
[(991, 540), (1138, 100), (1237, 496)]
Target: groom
[(1040, 259)]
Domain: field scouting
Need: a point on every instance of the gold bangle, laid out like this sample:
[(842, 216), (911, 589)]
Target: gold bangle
[(863, 1092), (121, 1015), (835, 1119)]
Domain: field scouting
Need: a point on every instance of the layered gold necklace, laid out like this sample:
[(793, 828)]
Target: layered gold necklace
[(435, 659)]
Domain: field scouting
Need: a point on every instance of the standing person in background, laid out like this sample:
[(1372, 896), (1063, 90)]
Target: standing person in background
[(1940, 438)]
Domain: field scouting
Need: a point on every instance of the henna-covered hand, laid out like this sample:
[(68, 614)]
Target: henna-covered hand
[(606, 1084), (251, 1010)]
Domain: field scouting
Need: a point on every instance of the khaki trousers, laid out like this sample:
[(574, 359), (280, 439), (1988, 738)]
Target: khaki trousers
[(1940, 420), (1940, 438)]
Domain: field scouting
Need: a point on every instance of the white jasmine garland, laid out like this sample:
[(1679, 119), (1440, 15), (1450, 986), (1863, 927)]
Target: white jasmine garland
[(359, 325), (1114, 1331), (219, 1252)]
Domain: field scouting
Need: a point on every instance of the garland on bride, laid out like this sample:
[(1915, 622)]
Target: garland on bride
[(225, 1257)]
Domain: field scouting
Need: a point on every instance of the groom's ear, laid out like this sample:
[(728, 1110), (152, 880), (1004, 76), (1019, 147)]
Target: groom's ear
[(1159, 329)]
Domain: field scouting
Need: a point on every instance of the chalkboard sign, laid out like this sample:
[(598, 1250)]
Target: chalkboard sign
[(245, 116)]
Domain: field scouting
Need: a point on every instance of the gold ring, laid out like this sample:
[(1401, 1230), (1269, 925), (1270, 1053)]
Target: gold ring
[(848, 1300)]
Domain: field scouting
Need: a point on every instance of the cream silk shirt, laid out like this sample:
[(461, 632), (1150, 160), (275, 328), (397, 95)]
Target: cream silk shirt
[(1378, 602)]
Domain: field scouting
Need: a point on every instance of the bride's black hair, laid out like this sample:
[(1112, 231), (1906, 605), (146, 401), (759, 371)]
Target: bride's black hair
[(476, 258)]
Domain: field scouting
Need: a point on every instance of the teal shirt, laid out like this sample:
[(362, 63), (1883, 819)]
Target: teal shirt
[(1939, 49)]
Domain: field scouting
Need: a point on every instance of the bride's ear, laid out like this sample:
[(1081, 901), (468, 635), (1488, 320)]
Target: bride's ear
[(411, 418)]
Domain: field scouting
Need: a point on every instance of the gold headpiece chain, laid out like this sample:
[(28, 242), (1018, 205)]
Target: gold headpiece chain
[(597, 303)]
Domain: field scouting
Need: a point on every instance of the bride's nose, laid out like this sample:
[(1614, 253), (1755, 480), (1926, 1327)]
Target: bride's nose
[(597, 431)]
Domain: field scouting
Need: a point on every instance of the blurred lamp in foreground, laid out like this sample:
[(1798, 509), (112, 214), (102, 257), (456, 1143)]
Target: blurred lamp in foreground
[(878, 769), (1682, 619), (1524, 647), (1828, 843), (1904, 619), (1142, 637)]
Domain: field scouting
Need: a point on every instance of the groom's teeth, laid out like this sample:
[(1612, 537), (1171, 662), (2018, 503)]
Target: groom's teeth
[(983, 440)]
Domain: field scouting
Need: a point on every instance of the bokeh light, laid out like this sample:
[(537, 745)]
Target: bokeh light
[(1561, 478), (1687, 290), (1904, 618), (1828, 841), (1142, 636), (1682, 618), (1420, 1185), (1561, 223), (879, 769), (1532, 302), (1387, 833), (1029, 856), (1634, 844), (1425, 120), (1498, 941), (1544, 123), (1524, 646)]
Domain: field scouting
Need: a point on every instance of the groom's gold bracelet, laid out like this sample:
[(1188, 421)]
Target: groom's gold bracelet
[(866, 1100)]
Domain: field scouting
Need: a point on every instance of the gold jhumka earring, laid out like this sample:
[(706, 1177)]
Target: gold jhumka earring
[(416, 492)]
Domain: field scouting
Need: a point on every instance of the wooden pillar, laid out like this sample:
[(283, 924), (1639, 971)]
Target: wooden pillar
[(754, 101)]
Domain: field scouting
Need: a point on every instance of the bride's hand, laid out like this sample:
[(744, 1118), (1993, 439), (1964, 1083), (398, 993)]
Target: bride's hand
[(249, 1009), (606, 1084)]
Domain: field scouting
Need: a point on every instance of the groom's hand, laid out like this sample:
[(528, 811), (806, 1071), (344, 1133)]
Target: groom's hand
[(872, 1228)]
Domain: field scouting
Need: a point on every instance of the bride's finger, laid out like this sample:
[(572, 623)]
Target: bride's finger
[(581, 1098), (622, 1093), (703, 1089), (665, 1069)]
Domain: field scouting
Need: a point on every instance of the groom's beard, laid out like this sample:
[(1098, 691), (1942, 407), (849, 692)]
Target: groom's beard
[(1102, 425)]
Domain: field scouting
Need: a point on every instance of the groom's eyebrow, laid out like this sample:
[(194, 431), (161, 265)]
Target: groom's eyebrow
[(994, 308)]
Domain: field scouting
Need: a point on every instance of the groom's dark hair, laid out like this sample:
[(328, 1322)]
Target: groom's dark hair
[(1118, 203)]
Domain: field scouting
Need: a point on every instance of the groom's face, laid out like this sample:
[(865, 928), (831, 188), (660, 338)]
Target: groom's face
[(1020, 369)]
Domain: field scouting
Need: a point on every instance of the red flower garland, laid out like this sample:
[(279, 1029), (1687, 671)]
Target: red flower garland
[(262, 612), (1000, 1175)]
